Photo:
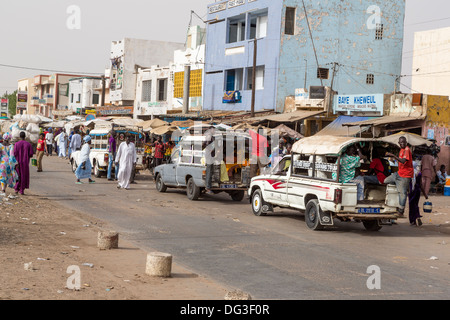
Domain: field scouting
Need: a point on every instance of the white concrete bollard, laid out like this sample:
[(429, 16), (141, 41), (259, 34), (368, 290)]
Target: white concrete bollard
[(108, 240), (159, 264)]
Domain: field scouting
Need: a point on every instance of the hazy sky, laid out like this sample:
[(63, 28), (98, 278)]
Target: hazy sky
[(34, 33)]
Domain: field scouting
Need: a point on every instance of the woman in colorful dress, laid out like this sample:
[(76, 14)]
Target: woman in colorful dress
[(8, 174)]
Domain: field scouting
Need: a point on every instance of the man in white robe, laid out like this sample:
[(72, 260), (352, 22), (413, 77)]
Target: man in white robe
[(75, 142), (62, 138), (126, 160)]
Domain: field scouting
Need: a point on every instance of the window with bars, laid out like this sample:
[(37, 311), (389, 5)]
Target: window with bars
[(146, 91), (289, 24), (323, 73), (370, 79), (379, 32)]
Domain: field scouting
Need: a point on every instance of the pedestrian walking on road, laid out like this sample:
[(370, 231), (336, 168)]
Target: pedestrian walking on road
[(41, 150), (126, 159), (23, 152), (415, 189), (49, 141), (112, 155), (159, 152), (75, 142), (62, 139), (84, 170), (428, 171), (8, 174)]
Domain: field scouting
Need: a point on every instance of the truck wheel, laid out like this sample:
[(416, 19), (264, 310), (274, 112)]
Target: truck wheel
[(160, 186), (258, 203), (372, 225), (237, 196), (193, 192), (312, 217)]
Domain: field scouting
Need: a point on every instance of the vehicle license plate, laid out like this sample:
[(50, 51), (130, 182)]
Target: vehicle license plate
[(369, 210), (228, 186)]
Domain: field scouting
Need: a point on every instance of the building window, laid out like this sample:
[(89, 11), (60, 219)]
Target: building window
[(236, 29), (146, 91), (79, 98), (289, 24), (379, 32), (258, 25), (71, 98), (95, 98), (370, 79), (233, 80), (162, 89), (259, 78), (323, 73)]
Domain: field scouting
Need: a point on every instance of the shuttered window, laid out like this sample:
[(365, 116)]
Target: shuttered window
[(146, 91)]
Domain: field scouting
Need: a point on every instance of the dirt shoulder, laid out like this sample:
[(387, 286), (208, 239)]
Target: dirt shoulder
[(52, 238)]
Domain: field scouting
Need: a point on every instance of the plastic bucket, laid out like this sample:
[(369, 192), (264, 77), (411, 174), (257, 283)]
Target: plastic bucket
[(447, 191), (447, 181), (427, 207)]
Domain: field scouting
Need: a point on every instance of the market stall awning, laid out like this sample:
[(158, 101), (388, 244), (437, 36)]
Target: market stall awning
[(285, 131), (382, 121), (152, 124), (325, 145), (286, 117), (413, 139), (163, 130)]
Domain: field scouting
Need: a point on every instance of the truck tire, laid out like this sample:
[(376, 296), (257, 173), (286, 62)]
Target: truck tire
[(372, 225), (258, 203), (312, 215), (237, 196), (193, 192), (160, 186)]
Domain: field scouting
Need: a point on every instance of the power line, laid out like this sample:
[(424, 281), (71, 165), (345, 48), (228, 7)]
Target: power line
[(429, 21), (46, 70)]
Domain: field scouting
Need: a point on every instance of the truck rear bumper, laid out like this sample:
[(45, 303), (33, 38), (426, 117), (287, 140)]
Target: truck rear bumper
[(369, 216)]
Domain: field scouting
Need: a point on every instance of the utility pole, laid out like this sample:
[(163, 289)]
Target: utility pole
[(306, 72), (187, 84), (103, 90), (255, 52)]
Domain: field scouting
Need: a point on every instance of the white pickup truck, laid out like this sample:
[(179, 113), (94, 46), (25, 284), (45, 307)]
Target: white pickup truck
[(304, 181)]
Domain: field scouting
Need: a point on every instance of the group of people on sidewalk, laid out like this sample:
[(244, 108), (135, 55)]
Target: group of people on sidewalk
[(14, 164)]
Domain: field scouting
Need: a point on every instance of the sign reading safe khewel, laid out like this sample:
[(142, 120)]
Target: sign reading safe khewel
[(359, 103)]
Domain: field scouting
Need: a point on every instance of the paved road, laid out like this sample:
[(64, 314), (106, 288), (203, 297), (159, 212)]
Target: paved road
[(273, 257)]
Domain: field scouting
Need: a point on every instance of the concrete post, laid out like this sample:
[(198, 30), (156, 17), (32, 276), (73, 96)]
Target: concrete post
[(187, 84)]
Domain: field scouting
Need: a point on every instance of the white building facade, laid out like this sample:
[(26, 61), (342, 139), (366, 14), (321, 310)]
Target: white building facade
[(130, 55), (86, 92), (431, 64), (160, 90)]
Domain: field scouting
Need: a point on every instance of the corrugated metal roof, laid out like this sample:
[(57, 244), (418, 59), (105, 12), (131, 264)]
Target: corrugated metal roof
[(383, 121), (286, 117)]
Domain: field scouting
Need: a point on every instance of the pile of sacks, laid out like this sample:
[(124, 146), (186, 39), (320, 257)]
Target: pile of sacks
[(27, 123)]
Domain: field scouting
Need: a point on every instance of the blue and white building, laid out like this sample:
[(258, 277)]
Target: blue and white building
[(351, 46)]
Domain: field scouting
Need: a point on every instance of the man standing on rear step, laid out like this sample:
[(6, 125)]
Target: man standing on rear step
[(405, 173)]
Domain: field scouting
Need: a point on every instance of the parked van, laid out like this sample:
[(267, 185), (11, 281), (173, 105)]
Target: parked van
[(187, 166)]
